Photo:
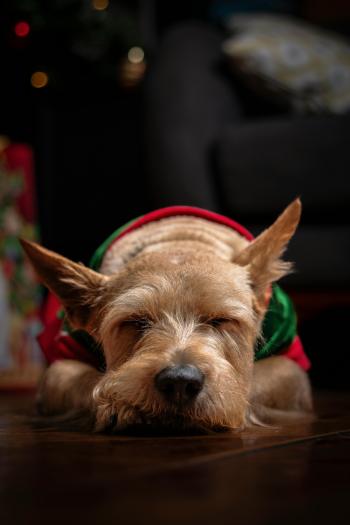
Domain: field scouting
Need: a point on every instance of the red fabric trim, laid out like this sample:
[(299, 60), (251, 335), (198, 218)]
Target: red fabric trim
[(57, 344), (52, 306), (173, 211), (295, 352)]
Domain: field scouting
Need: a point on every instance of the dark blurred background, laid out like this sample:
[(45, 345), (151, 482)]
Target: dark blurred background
[(134, 105)]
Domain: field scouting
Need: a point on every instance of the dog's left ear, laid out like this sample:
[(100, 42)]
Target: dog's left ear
[(77, 287), (263, 255)]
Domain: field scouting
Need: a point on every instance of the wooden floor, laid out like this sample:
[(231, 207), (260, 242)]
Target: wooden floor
[(282, 476)]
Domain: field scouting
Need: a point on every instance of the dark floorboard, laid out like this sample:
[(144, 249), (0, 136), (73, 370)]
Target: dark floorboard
[(292, 475)]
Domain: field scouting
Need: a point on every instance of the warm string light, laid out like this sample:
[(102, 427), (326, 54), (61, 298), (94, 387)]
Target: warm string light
[(136, 55), (100, 5), (39, 79), (22, 29)]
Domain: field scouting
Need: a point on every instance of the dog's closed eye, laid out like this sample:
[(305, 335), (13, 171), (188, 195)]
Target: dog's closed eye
[(141, 324), (221, 322), (217, 321)]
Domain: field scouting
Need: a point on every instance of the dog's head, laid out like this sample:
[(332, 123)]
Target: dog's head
[(178, 328)]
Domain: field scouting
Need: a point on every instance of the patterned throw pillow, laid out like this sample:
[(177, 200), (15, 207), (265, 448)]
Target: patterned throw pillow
[(280, 56)]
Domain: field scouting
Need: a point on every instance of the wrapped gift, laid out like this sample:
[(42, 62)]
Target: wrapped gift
[(20, 294)]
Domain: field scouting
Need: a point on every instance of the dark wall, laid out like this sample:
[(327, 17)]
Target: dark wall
[(89, 170)]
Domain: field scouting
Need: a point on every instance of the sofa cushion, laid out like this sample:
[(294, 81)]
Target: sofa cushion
[(263, 165)]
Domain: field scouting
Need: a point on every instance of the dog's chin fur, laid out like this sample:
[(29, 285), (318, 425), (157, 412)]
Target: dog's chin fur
[(168, 424), (182, 291)]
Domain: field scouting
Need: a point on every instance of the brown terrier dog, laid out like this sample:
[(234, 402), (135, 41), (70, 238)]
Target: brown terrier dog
[(177, 307)]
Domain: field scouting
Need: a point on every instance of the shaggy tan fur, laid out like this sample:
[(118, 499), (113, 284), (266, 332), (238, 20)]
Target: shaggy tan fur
[(178, 291)]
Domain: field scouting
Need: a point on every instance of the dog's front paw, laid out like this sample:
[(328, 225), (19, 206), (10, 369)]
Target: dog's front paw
[(108, 418), (128, 416)]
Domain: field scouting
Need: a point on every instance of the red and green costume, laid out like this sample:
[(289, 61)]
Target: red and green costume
[(280, 337)]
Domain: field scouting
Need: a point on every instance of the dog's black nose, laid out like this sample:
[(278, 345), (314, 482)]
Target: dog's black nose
[(180, 383)]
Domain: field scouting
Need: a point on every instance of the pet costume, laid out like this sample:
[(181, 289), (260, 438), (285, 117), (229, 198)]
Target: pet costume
[(279, 330)]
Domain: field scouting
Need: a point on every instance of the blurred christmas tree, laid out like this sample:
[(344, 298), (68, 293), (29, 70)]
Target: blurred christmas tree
[(69, 43)]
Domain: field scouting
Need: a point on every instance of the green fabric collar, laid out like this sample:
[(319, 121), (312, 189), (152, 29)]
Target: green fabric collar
[(279, 326)]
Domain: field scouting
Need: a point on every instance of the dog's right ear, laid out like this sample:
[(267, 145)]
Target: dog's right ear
[(77, 287), (263, 255)]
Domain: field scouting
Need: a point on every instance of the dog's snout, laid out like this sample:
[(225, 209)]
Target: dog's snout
[(180, 384)]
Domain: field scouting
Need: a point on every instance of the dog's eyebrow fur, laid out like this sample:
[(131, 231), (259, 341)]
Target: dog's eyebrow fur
[(137, 300)]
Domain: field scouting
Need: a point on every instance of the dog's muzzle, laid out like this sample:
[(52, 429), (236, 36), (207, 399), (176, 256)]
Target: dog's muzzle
[(179, 384)]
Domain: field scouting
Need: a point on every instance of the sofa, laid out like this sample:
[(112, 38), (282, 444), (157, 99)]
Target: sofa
[(213, 144)]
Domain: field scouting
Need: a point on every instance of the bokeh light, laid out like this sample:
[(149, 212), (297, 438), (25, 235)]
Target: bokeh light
[(100, 5), (39, 79), (22, 29), (136, 55)]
